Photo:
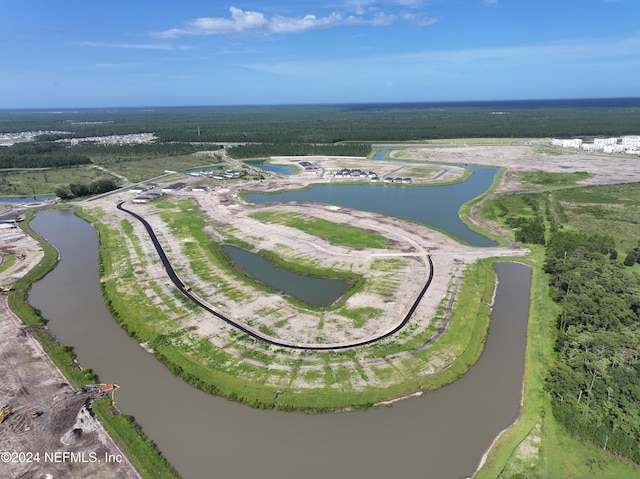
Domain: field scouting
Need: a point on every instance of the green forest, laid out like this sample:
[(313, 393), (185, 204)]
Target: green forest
[(595, 382), (40, 155), (137, 150), (590, 240), (78, 190), (335, 123), (47, 154), (260, 150)]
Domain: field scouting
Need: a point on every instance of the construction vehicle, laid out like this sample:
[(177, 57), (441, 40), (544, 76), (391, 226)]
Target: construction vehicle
[(104, 389), (5, 412), (4, 289), (36, 414)]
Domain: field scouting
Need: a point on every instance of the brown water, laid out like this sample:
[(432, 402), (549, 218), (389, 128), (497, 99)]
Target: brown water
[(441, 435)]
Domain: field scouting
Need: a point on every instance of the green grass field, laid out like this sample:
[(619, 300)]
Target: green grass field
[(44, 181), (536, 179), (612, 210), (343, 235), (139, 169)]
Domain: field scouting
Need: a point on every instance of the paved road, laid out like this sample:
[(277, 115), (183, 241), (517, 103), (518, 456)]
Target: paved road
[(257, 334)]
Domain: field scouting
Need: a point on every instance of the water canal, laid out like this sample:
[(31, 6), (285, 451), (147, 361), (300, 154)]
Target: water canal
[(440, 435)]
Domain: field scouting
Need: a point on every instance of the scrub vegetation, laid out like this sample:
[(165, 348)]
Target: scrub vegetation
[(45, 181), (536, 179)]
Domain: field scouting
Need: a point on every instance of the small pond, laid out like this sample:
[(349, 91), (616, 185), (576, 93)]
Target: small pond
[(265, 165), (310, 289)]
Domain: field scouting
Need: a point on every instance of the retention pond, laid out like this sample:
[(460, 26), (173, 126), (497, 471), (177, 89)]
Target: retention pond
[(435, 206), (441, 435), (310, 289)]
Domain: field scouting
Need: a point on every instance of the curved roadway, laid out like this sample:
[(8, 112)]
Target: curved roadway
[(255, 334)]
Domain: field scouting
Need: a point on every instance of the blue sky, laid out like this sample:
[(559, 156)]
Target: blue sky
[(70, 53)]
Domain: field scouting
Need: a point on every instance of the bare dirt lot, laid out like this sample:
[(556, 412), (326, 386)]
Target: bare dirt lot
[(42, 447), (606, 169)]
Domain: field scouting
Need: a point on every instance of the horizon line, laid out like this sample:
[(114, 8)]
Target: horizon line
[(61, 109)]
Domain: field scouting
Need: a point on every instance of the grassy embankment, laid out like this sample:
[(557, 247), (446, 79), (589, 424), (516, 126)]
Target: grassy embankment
[(6, 261), (345, 235), (537, 446), (465, 211), (141, 452), (216, 371)]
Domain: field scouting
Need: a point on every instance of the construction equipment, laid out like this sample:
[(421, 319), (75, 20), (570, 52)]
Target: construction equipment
[(4, 289), (36, 414), (5, 412), (104, 389)]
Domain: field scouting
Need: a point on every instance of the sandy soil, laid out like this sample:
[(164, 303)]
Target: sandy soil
[(32, 383), (606, 169)]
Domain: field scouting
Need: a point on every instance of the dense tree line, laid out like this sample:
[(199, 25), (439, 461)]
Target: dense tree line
[(143, 149), (43, 154), (595, 381), (260, 150), (79, 190), (333, 123), (528, 230), (40, 155)]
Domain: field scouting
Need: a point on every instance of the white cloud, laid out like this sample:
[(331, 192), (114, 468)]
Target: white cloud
[(365, 3), (248, 22), (134, 46), (419, 19), (579, 51)]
